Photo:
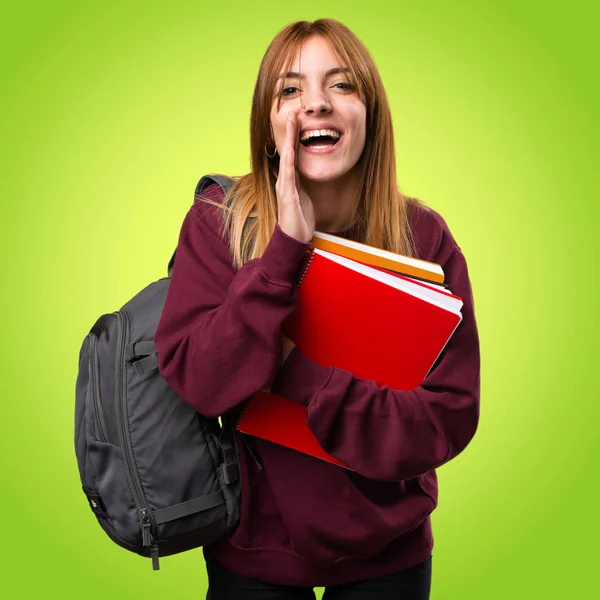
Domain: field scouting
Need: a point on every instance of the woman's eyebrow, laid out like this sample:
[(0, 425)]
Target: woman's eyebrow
[(295, 75)]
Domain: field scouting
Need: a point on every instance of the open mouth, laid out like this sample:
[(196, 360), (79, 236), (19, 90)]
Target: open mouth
[(320, 138)]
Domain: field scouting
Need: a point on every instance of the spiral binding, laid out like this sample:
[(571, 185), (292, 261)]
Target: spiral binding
[(310, 254)]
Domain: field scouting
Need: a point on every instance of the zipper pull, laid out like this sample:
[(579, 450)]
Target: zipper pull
[(146, 528), (154, 555), (258, 464), (148, 540)]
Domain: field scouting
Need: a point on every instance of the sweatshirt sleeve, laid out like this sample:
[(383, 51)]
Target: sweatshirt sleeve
[(219, 335), (389, 434)]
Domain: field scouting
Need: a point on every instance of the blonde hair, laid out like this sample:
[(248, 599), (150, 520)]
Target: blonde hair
[(382, 210)]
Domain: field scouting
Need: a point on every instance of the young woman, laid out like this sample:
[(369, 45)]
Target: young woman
[(322, 158)]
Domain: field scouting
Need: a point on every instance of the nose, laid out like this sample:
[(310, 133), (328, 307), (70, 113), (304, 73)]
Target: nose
[(316, 103)]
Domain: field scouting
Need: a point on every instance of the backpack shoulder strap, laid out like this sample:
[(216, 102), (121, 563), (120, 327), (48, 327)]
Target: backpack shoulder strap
[(221, 180), (224, 182)]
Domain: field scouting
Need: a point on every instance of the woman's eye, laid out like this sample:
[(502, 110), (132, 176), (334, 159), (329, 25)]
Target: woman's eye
[(289, 90), (344, 85)]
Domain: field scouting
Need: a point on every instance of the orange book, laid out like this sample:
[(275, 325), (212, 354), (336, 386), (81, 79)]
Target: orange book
[(377, 325), (370, 255)]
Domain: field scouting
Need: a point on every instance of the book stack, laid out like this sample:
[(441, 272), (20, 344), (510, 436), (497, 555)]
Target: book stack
[(380, 315)]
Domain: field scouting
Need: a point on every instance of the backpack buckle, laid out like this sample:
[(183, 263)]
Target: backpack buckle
[(229, 473)]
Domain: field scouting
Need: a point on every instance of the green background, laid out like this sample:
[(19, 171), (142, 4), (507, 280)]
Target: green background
[(110, 114)]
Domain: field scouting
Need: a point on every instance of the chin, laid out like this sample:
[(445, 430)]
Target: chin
[(321, 175)]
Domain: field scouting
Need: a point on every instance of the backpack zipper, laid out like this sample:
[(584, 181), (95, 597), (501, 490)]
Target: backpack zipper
[(96, 400), (145, 514)]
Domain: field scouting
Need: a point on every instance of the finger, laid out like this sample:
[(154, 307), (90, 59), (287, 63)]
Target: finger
[(296, 146), (280, 171), (283, 163), (290, 174), (290, 130), (280, 183), (296, 139)]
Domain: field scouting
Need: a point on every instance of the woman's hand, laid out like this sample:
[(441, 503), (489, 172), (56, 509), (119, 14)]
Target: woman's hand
[(296, 214)]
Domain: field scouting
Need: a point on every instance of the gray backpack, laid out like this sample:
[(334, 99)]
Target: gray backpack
[(160, 478)]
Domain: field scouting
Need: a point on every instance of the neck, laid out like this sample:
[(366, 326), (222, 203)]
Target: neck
[(334, 201)]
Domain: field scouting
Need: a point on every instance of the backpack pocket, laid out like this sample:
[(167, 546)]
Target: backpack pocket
[(108, 493), (103, 475), (94, 390), (89, 418)]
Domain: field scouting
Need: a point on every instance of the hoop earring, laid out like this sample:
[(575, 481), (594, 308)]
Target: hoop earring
[(271, 155)]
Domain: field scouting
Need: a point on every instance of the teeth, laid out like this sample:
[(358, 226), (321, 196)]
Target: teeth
[(320, 133)]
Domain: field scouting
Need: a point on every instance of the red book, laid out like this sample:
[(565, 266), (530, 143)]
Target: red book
[(377, 325)]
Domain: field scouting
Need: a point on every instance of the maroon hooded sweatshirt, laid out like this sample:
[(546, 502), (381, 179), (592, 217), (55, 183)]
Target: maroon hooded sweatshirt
[(306, 522)]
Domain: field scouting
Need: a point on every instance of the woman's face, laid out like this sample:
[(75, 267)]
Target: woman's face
[(331, 119)]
